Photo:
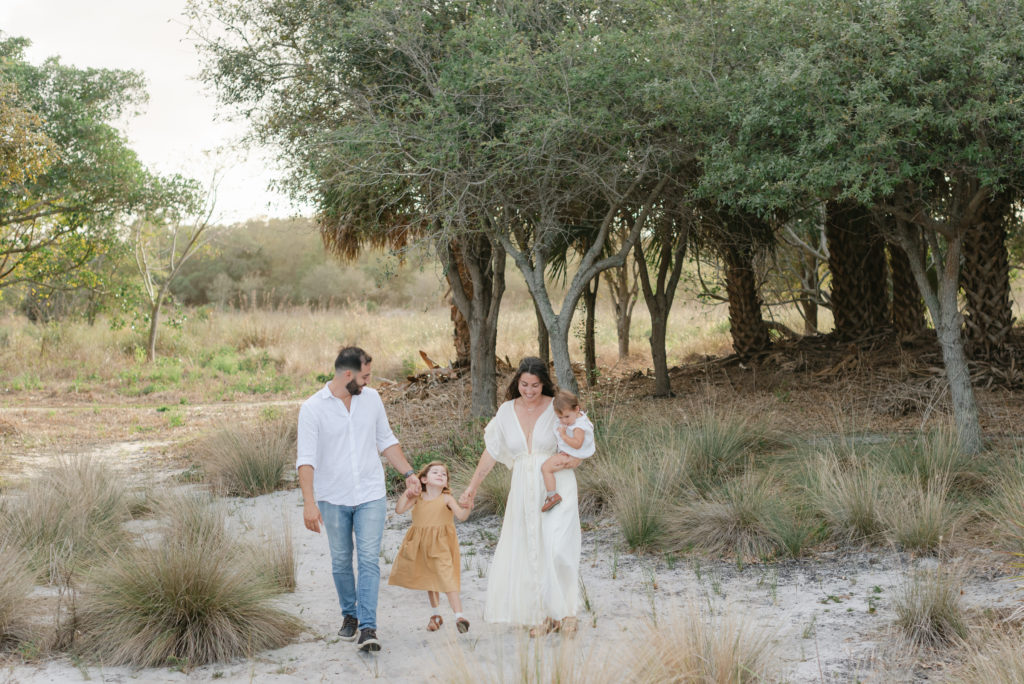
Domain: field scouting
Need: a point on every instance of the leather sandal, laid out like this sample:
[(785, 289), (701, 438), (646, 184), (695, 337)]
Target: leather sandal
[(550, 502), (435, 623), (545, 627), (462, 624)]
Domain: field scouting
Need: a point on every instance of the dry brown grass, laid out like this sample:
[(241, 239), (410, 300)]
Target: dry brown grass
[(16, 581)]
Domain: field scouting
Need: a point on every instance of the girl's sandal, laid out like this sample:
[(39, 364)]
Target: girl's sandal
[(462, 624), (435, 623)]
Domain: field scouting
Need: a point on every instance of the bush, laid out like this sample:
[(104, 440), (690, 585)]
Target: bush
[(71, 514), (929, 612), (190, 600), (249, 461), (744, 517), (274, 558), (691, 647), (719, 447)]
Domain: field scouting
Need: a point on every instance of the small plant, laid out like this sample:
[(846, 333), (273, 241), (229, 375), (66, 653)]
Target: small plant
[(996, 658), (247, 461), (69, 515), (189, 600), (923, 517), (849, 497), (691, 647), (276, 558), (742, 517), (929, 612)]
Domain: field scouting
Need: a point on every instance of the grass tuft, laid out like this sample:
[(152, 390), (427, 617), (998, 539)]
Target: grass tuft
[(921, 517), (16, 580), (743, 517), (691, 647), (721, 446), (247, 461), (68, 516), (996, 659), (929, 612), (189, 600), (850, 499)]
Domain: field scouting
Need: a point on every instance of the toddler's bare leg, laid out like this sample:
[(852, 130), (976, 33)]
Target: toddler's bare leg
[(547, 470)]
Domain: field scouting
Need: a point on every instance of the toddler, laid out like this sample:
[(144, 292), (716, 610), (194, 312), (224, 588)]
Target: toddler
[(575, 435)]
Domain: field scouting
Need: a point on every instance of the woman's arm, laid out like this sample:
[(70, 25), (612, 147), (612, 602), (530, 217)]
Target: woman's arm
[(482, 469), (453, 505)]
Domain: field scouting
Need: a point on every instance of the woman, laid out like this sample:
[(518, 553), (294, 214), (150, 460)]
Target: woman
[(534, 575)]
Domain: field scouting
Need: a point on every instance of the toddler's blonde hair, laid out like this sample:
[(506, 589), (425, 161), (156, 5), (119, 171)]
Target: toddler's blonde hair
[(564, 400)]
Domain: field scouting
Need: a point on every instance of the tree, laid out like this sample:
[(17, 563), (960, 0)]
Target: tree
[(913, 110), (68, 179), (165, 241)]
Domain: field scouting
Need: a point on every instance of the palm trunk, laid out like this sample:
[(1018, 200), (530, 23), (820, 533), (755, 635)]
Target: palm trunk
[(747, 326), (907, 305), (857, 264), (986, 282)]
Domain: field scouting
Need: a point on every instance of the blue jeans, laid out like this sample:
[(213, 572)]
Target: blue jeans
[(367, 522)]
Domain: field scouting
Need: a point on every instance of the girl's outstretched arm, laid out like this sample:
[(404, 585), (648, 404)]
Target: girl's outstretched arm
[(405, 502), (482, 468), (459, 512)]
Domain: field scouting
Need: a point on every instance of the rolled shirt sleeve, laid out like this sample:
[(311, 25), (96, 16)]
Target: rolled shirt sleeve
[(385, 437), (306, 451)]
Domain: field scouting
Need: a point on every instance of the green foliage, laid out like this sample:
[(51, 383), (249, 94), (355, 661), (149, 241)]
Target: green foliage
[(60, 217)]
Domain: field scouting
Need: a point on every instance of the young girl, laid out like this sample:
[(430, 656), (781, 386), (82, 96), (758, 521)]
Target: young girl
[(575, 435), (429, 557)]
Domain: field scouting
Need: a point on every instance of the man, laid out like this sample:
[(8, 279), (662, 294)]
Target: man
[(343, 429)]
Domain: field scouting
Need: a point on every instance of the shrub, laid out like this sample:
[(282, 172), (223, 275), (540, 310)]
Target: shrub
[(691, 647), (641, 515), (73, 512), (921, 517), (274, 557), (719, 447), (191, 599), (929, 612), (743, 517), (1007, 511), (249, 461), (16, 582), (850, 499)]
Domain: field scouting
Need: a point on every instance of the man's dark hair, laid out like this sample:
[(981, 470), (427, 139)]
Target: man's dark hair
[(351, 358)]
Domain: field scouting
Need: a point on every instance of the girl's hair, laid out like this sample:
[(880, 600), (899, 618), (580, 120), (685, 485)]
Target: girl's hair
[(533, 366), (564, 400), (423, 473)]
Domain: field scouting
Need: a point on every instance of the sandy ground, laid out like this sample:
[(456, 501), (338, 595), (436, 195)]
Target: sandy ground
[(829, 617)]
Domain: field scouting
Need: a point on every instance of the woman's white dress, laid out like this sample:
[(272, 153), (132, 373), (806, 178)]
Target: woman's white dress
[(535, 570)]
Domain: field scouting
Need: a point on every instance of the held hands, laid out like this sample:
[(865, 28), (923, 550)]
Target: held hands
[(412, 486), (466, 500)]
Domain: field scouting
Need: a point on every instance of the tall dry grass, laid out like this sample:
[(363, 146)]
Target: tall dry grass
[(850, 497), (68, 516), (929, 610), (921, 516), (249, 460), (189, 600), (16, 581), (995, 657)]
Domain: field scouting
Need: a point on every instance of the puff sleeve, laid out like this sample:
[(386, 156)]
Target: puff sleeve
[(496, 441)]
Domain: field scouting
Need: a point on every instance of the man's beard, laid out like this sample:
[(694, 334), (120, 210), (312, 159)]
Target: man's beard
[(353, 387)]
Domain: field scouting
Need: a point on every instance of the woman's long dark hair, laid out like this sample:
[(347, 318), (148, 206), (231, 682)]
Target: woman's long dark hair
[(533, 366)]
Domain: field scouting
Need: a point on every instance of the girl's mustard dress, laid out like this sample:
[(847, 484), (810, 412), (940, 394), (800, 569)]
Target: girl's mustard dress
[(429, 557)]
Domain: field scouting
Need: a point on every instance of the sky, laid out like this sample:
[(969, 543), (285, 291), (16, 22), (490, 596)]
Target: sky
[(180, 129)]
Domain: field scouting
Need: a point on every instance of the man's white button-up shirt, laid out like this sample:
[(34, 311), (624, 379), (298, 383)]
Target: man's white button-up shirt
[(344, 445)]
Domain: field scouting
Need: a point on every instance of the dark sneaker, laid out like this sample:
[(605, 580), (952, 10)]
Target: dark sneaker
[(368, 640), (349, 627)]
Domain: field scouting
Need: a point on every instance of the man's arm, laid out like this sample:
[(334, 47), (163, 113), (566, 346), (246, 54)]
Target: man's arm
[(310, 512), (396, 458)]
